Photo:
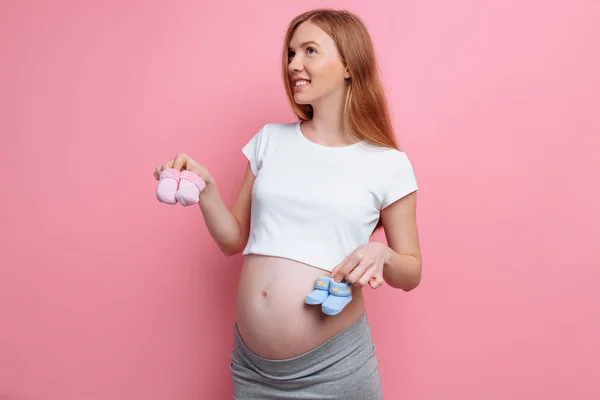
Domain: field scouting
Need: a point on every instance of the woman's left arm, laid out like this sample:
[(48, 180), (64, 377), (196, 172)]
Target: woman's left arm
[(402, 266), (398, 263)]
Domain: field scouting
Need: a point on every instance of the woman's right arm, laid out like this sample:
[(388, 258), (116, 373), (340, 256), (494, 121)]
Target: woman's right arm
[(229, 229)]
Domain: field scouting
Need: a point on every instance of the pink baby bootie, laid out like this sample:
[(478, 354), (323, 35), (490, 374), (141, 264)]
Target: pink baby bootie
[(167, 186), (190, 186)]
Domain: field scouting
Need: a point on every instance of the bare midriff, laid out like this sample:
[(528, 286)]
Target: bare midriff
[(271, 315)]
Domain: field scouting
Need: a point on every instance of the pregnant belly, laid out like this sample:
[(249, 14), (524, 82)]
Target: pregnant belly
[(271, 315)]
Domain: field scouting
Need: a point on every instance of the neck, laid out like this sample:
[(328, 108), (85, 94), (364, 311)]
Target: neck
[(328, 120)]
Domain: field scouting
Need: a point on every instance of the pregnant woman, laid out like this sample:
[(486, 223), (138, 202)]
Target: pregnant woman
[(313, 193)]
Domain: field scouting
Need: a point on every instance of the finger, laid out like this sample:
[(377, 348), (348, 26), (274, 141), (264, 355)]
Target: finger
[(351, 262), (341, 272), (157, 173), (167, 165), (357, 273), (337, 267), (375, 282), (367, 276), (179, 161)]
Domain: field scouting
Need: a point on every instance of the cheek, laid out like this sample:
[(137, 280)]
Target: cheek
[(327, 75)]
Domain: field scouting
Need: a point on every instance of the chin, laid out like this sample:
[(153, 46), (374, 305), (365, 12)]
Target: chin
[(301, 100)]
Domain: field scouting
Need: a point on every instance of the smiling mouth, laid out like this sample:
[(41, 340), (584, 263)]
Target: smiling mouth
[(301, 83)]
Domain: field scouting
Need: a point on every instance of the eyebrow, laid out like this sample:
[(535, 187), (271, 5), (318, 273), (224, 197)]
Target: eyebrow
[(303, 44)]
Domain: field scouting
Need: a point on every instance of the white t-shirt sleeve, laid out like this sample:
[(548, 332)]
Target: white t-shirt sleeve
[(401, 182), (255, 149)]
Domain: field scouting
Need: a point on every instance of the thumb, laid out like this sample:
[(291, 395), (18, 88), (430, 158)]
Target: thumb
[(179, 161)]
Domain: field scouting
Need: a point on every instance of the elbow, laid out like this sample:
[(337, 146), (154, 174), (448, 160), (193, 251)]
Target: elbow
[(228, 252), (236, 243), (232, 249), (412, 284)]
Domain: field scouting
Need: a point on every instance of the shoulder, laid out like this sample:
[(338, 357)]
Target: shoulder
[(271, 134), (279, 128), (395, 175), (386, 157)]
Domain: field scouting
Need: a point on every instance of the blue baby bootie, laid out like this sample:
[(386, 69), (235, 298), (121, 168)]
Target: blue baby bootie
[(321, 291), (340, 294)]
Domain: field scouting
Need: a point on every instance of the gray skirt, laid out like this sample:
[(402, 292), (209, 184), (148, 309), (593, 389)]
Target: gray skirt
[(344, 367)]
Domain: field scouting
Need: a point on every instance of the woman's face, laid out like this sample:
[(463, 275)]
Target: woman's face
[(314, 65)]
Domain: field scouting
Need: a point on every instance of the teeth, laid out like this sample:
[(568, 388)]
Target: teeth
[(301, 83)]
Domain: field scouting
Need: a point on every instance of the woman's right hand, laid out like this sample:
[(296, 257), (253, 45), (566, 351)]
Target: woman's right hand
[(182, 162)]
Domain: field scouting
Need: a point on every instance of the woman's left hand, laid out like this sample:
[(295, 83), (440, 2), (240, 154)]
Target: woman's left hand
[(364, 265)]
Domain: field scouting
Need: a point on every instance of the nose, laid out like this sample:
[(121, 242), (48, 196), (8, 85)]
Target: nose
[(295, 64)]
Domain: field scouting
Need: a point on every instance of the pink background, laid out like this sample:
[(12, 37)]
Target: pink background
[(107, 294)]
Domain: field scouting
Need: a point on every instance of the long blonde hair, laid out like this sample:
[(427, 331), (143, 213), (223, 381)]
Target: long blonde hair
[(366, 113)]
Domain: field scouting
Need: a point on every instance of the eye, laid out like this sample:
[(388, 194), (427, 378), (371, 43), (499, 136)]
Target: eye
[(290, 54), (308, 49)]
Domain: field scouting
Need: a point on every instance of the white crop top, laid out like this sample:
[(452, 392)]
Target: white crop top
[(316, 204)]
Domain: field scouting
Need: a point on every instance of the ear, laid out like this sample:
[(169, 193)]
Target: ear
[(347, 73)]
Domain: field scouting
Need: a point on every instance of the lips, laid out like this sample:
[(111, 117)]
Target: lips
[(299, 83), (300, 78)]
